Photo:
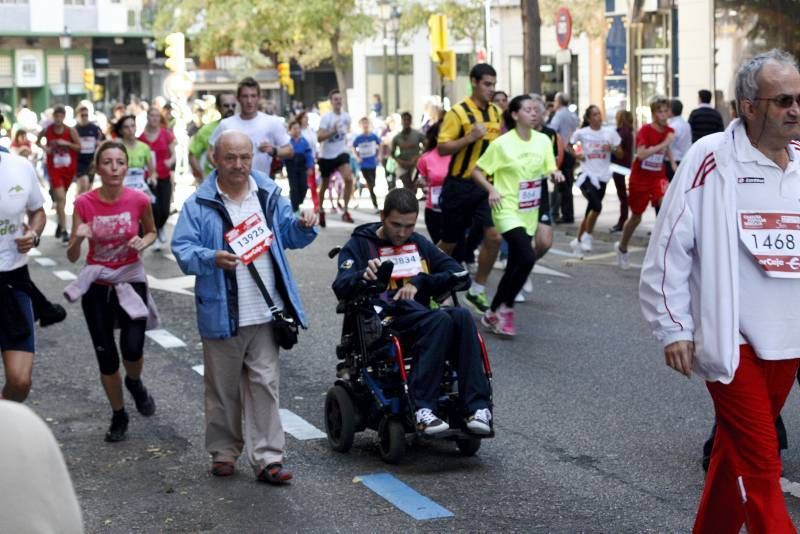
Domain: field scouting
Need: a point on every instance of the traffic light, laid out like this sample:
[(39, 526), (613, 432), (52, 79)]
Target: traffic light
[(97, 92), (290, 87), (284, 74), (447, 64), (175, 52), (437, 26), (88, 79)]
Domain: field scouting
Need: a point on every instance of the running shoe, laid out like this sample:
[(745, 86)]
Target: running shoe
[(144, 401), (58, 231), (64, 237), (480, 301), (490, 320), (575, 245), (429, 424), (586, 242), (623, 261), (506, 322), (480, 422), (322, 218), (119, 425), (528, 287), (346, 217)]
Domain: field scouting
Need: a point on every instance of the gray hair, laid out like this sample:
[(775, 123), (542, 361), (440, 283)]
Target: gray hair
[(747, 75), (538, 101)]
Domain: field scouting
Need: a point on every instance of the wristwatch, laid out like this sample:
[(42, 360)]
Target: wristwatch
[(36, 240), (274, 152)]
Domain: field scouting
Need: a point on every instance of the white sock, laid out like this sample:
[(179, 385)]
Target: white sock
[(476, 288)]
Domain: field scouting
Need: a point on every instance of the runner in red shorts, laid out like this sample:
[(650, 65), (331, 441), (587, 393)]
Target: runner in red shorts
[(648, 180), (63, 144)]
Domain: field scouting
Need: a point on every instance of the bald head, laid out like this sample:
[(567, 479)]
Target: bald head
[(233, 155)]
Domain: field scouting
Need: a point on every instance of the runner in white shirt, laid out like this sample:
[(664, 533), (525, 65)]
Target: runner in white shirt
[(594, 144), (268, 133), (683, 136), (720, 283), (334, 154), (20, 199)]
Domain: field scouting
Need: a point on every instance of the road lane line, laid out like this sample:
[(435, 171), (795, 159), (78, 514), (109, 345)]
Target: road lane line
[(541, 269), (404, 497), (299, 427), (45, 262), (34, 252), (65, 275), (199, 369), (792, 488), (165, 339)]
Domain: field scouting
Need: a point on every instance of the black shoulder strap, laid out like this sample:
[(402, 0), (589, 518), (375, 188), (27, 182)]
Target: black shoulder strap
[(261, 287)]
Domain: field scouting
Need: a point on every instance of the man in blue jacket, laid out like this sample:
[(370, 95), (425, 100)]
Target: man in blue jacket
[(238, 217), (421, 272)]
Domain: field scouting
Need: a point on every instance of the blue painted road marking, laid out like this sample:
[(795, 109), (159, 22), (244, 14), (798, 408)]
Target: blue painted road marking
[(403, 497)]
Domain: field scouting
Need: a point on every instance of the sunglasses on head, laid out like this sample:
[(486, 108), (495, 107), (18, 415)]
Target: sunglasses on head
[(783, 101)]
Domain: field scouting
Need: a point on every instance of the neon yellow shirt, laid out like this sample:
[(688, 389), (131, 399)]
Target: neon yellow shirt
[(518, 167)]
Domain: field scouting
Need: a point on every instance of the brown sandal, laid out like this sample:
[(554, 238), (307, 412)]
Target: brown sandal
[(275, 474)]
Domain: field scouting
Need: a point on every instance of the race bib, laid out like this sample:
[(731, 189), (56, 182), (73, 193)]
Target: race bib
[(250, 238), (436, 193), (61, 159), (406, 259), (653, 163), (88, 144), (773, 239), (530, 194), (135, 180), (367, 149)]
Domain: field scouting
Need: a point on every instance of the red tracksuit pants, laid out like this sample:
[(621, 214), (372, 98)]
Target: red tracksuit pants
[(313, 187), (743, 482)]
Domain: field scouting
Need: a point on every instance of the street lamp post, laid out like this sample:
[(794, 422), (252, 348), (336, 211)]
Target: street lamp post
[(65, 41), (150, 51), (385, 13), (395, 29)]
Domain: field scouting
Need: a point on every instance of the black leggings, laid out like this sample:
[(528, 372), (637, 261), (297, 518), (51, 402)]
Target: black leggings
[(102, 311), (520, 264), (369, 177), (593, 195), (163, 193)]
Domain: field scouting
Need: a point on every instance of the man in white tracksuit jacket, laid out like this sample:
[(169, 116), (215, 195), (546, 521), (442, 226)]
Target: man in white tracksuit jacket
[(720, 285)]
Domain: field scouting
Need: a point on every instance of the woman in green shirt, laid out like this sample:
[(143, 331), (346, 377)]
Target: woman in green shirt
[(517, 161), (141, 166)]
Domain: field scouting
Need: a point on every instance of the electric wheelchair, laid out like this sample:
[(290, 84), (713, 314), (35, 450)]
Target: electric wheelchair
[(371, 390)]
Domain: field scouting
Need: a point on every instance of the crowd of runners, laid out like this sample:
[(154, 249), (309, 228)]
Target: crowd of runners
[(495, 172)]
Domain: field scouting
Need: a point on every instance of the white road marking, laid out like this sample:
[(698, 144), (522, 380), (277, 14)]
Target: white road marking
[(34, 252), (558, 252), (541, 269), (792, 488), (165, 339), (299, 427), (45, 262), (199, 369), (169, 256), (65, 275), (178, 284)]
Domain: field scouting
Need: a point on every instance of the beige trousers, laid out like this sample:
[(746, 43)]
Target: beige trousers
[(243, 372)]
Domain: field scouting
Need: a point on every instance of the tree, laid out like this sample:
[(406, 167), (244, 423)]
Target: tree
[(309, 32), (464, 18), (531, 45)]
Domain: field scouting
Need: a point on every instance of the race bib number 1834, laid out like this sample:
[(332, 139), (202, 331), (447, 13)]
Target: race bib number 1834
[(406, 259), (773, 240)]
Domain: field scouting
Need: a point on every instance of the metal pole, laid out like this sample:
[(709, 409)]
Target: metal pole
[(396, 74), (385, 95), (66, 79), (567, 81), (487, 13)]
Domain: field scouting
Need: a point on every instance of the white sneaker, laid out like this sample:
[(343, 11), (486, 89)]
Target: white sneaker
[(520, 297), (157, 245), (623, 261), (528, 287), (429, 424), (576, 248), (480, 422), (586, 242)]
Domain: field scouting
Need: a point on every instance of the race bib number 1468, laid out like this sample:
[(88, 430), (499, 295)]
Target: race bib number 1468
[(773, 240)]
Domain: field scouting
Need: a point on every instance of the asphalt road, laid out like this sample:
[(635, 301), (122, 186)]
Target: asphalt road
[(594, 433)]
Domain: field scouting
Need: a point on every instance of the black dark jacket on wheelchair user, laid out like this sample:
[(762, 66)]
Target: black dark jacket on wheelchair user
[(364, 245)]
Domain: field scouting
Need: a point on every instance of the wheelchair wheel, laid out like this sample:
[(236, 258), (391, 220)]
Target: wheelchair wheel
[(340, 419), (468, 446), (392, 440)]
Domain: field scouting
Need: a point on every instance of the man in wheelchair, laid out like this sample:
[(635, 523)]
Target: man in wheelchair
[(434, 334)]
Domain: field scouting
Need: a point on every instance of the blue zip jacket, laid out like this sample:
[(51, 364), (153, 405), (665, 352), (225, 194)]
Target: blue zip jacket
[(199, 235)]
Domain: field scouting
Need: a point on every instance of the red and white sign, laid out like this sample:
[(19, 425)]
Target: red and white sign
[(563, 27), (250, 238), (530, 194), (773, 239), (406, 259)]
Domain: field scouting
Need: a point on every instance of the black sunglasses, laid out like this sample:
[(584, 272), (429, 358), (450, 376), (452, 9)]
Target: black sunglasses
[(783, 101)]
